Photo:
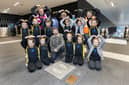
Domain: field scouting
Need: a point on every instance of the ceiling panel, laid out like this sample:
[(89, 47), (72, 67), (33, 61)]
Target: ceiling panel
[(25, 5), (115, 10)]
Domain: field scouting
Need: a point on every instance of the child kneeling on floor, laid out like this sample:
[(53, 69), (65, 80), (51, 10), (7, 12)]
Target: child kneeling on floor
[(69, 46), (43, 49), (80, 51), (95, 52), (32, 59)]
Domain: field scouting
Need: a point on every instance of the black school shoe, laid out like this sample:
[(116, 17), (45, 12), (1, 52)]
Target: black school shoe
[(38, 65), (80, 62), (31, 67), (46, 61), (75, 60), (52, 60), (98, 66), (91, 65), (68, 59)]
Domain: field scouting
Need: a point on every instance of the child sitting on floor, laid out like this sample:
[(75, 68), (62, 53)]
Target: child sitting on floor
[(32, 57)]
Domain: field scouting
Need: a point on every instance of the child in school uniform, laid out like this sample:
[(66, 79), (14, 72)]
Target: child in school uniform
[(63, 13), (69, 46), (94, 27), (48, 32), (79, 25), (79, 51), (43, 49), (36, 30), (48, 29), (67, 25), (41, 13), (32, 57), (24, 31), (95, 52)]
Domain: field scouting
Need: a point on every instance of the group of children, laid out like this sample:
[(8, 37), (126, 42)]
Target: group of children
[(79, 39)]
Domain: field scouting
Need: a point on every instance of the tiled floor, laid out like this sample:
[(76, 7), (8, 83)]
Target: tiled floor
[(123, 49), (9, 38), (13, 71)]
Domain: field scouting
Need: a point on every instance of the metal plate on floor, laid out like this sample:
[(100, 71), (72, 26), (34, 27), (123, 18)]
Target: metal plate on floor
[(60, 69)]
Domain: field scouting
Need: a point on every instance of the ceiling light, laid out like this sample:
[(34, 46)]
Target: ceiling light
[(16, 4), (112, 4), (6, 10)]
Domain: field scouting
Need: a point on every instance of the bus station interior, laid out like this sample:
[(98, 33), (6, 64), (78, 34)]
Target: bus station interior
[(113, 15)]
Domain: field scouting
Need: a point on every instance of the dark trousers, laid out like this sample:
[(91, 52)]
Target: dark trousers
[(48, 41), (78, 60), (24, 43), (33, 66), (86, 39), (45, 60), (55, 55), (68, 58), (42, 31), (36, 41)]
